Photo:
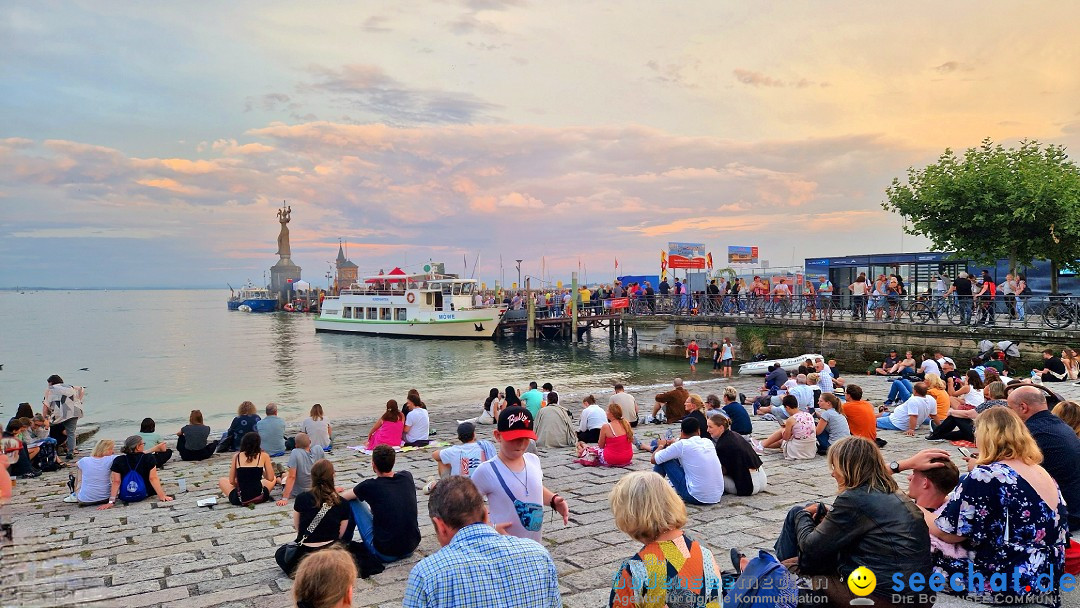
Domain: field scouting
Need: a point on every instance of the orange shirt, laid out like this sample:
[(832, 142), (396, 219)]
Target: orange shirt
[(942, 399), (861, 418)]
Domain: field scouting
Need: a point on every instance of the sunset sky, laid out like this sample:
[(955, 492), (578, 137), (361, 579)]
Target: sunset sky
[(149, 144)]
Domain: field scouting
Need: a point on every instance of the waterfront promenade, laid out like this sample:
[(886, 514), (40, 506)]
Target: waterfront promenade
[(177, 554)]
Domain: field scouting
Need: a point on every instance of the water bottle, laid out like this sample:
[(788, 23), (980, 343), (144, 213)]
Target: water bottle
[(182, 484)]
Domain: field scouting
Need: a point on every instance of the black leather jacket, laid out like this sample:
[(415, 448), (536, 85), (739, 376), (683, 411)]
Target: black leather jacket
[(883, 532)]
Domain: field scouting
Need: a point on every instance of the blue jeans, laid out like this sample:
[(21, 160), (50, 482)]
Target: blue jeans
[(823, 441), (965, 310), (900, 391), (673, 470), (885, 424), (365, 523), (787, 544)]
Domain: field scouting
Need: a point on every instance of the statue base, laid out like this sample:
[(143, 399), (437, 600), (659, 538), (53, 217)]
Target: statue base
[(282, 276)]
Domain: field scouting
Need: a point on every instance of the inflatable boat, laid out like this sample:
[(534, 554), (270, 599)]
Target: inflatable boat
[(760, 368)]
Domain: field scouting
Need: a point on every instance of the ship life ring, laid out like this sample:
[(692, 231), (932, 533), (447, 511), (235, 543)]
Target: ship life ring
[(410, 297)]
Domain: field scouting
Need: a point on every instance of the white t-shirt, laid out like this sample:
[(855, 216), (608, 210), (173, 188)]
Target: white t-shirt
[(526, 486), (96, 478), (704, 475), (805, 395), (922, 407), (463, 459), (317, 430), (628, 404), (858, 288), (930, 367), (974, 397), (417, 420), (825, 379), (592, 417)]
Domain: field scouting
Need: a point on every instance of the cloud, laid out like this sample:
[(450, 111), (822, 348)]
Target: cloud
[(759, 79), (953, 66), (376, 24)]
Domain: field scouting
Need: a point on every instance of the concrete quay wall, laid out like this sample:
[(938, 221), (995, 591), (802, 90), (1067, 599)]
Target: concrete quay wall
[(853, 344)]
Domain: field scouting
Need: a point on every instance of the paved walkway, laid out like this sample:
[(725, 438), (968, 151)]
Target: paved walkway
[(177, 554)]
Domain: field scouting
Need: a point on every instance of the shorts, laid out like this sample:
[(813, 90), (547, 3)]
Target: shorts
[(693, 359), (725, 363), (234, 496)]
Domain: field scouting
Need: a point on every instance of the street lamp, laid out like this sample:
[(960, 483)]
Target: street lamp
[(519, 272)]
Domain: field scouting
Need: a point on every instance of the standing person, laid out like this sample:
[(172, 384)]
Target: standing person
[(715, 346), (520, 506), (650, 297), (739, 462), (593, 418), (154, 442), (859, 291), (671, 569), (318, 428), (691, 465), (60, 406), (384, 509), (963, 289), (811, 298), (298, 475), (1008, 292), (242, 424), (251, 476), (877, 298), (627, 403), (1022, 294), (192, 440), (614, 447), (133, 460), (476, 566), (533, 399), (417, 424), (727, 357), (832, 426), (825, 294), (272, 431), (389, 429), (692, 354), (987, 290)]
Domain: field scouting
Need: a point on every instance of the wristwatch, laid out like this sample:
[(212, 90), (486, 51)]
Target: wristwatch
[(894, 467)]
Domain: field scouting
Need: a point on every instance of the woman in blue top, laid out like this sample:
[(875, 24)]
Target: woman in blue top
[(244, 423), (1009, 512)]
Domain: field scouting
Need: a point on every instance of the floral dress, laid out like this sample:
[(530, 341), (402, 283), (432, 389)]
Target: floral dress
[(1009, 529)]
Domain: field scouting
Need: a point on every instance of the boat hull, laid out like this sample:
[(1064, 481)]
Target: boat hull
[(256, 305), (478, 326), (761, 368)]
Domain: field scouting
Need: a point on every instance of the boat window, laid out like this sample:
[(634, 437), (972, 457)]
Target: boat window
[(467, 288), (384, 314), (372, 313), (346, 313), (430, 298), (447, 289), (399, 314), (457, 289)]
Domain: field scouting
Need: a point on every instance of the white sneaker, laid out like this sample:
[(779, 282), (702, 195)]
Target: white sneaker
[(71, 498)]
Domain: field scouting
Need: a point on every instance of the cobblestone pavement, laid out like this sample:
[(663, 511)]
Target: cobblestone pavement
[(177, 554)]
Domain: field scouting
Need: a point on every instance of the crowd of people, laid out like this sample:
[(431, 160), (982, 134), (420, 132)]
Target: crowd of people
[(1007, 513)]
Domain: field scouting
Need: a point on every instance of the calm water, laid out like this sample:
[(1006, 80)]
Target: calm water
[(164, 353)]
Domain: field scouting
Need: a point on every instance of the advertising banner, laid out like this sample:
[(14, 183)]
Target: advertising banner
[(686, 255), (617, 303), (742, 255)]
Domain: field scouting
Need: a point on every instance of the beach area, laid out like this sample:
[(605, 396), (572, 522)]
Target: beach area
[(178, 554)]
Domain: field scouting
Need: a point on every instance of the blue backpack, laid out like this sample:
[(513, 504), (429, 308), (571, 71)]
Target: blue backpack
[(764, 583), (132, 486)]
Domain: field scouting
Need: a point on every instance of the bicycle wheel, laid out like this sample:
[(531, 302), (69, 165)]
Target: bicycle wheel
[(952, 313), (921, 313), (1057, 315)]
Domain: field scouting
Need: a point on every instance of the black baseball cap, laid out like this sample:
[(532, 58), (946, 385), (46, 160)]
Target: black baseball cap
[(516, 422)]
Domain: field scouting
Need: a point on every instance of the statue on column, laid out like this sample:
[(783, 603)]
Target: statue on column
[(284, 250)]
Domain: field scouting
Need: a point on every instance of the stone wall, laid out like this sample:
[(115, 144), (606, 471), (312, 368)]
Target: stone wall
[(854, 345)]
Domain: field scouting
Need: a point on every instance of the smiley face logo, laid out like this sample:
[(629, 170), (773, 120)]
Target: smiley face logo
[(862, 581)]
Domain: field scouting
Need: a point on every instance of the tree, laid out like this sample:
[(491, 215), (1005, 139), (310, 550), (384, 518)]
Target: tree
[(1017, 203)]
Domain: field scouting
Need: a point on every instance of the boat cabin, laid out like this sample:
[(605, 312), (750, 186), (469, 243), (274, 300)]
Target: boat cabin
[(406, 297)]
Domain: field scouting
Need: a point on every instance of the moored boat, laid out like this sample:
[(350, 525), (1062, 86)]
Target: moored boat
[(254, 298), (760, 368), (413, 306)]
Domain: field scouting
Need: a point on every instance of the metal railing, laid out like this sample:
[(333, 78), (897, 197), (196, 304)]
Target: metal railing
[(1042, 311)]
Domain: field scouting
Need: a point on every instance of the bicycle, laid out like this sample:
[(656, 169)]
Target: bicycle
[(1061, 312)]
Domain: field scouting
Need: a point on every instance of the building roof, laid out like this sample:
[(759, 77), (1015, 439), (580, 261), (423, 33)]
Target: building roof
[(341, 261)]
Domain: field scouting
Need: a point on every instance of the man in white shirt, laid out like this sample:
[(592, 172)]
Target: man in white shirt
[(461, 459), (593, 417), (910, 414), (802, 392), (628, 404), (691, 465)]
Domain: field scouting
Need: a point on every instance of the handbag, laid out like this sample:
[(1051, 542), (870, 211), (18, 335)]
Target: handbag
[(292, 547), (530, 514)]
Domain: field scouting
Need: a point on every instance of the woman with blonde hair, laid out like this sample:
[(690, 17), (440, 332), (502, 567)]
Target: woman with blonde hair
[(242, 424), (1072, 363), (649, 511), (935, 387), (94, 480), (317, 428), (325, 580), (871, 524), (1069, 411), (1008, 513), (614, 448)]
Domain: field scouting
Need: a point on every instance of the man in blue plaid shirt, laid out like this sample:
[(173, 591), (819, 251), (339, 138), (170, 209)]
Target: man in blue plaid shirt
[(477, 567)]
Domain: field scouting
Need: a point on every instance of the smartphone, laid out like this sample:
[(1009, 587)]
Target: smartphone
[(966, 453)]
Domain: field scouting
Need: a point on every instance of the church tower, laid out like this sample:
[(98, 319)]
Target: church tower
[(346, 271)]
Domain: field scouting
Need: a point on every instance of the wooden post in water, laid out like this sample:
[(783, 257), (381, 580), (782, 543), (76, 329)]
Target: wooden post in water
[(573, 308), (530, 331)]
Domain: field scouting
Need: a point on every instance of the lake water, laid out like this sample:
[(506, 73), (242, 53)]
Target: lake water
[(163, 353)]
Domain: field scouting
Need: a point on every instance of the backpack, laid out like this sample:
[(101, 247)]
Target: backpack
[(764, 583), (132, 485), (993, 289)]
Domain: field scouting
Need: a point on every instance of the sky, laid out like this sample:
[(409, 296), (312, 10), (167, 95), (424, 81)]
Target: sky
[(150, 144)]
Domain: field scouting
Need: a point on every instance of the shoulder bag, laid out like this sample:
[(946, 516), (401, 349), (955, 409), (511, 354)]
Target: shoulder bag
[(292, 546)]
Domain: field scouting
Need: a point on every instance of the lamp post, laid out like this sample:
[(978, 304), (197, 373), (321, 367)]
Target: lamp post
[(519, 272), (329, 275)]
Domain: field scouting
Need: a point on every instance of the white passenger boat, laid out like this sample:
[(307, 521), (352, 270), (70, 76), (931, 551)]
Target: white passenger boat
[(412, 306), (760, 368)]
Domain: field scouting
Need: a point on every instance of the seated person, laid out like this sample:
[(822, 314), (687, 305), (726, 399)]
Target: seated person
[(691, 465), (389, 429), (614, 448), (1008, 511), (625, 401), (796, 439), (251, 476), (832, 426), (743, 475), (243, 423), (734, 410), (888, 365), (807, 367), (693, 407), (835, 371), (272, 432), (966, 393), (935, 387), (461, 459), (18, 456), (298, 475), (907, 366), (959, 424), (388, 526), (554, 426), (929, 486), (94, 479), (900, 390), (775, 380), (191, 441), (318, 428), (592, 419), (669, 405), (911, 414), (1069, 412), (417, 423), (154, 443), (861, 415), (1053, 369), (133, 459), (871, 524)]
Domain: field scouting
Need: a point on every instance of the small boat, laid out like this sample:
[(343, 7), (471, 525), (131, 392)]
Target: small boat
[(255, 298), (760, 368), (410, 306), (243, 308)]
